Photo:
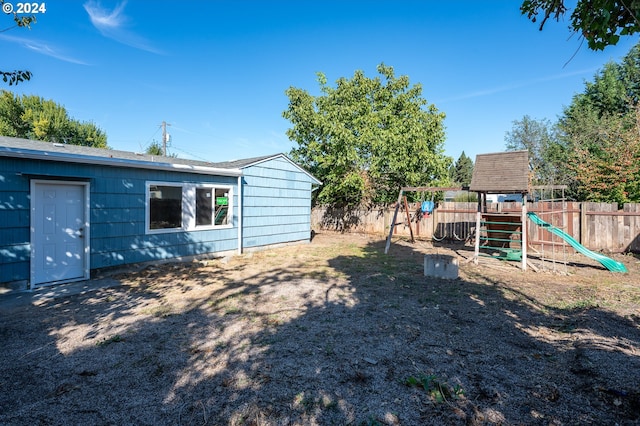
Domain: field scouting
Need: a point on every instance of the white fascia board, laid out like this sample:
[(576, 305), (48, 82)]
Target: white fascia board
[(117, 162)]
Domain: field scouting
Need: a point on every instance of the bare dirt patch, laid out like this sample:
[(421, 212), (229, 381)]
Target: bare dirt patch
[(333, 332)]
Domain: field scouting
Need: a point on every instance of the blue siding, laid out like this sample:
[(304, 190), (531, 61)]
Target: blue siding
[(118, 209), (14, 222), (117, 215), (276, 197)]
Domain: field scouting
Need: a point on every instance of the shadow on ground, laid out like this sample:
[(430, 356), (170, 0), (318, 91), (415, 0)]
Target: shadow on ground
[(334, 332)]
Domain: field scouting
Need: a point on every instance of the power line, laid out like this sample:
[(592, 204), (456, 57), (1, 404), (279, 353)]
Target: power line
[(192, 154)]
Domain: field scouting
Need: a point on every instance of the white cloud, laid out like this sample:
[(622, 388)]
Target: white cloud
[(112, 24), (102, 19), (514, 86), (42, 48)]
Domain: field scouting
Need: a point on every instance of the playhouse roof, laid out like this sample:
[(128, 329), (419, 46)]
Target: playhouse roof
[(501, 172)]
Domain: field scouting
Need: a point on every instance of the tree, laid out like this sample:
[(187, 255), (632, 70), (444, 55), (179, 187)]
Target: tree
[(546, 153), (32, 117), (155, 148), (605, 95), (600, 22), (607, 168), (367, 137), (601, 130), (462, 170), (630, 74), (17, 76)]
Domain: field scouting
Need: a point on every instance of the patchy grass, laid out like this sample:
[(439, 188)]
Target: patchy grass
[(109, 340), (438, 390), (332, 332)]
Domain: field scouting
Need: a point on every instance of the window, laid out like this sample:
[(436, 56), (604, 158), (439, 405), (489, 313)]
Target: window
[(204, 206), (212, 206), (188, 206), (222, 206), (165, 207)]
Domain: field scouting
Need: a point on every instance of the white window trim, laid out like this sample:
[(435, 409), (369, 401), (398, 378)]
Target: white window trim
[(188, 207)]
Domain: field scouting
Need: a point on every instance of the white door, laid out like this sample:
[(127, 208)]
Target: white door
[(59, 234)]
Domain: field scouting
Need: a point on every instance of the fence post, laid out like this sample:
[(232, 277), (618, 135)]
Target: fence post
[(476, 251), (523, 228), (583, 223)]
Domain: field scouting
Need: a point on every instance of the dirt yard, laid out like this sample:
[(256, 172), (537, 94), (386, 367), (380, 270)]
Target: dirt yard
[(334, 332)]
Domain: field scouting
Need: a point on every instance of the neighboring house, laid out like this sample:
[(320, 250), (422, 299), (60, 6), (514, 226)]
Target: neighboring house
[(504, 198), (66, 210)]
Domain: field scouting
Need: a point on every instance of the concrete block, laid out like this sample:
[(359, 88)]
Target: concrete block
[(441, 266)]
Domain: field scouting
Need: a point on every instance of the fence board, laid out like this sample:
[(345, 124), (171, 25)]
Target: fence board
[(600, 227)]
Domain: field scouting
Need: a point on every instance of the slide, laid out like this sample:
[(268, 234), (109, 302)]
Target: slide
[(608, 263)]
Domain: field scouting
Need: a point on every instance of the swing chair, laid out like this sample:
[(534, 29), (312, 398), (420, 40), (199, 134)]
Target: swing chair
[(466, 224), (456, 229), (435, 235), (427, 206)]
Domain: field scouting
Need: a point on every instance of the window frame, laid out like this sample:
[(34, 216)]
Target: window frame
[(188, 214), (148, 207)]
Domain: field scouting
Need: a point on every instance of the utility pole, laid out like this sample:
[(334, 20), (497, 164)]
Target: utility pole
[(165, 137)]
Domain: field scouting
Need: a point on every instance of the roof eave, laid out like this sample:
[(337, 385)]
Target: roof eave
[(115, 162), (315, 180)]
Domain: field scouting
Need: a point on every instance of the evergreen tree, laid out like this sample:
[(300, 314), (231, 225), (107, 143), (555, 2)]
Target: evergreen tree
[(462, 170)]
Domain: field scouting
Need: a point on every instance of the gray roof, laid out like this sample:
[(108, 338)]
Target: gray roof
[(240, 164), (47, 151), (65, 149), (502, 172), (26, 148)]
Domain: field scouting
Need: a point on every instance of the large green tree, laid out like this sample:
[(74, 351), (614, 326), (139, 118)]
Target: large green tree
[(600, 22), (605, 157), (32, 117), (16, 76), (601, 131), (367, 137)]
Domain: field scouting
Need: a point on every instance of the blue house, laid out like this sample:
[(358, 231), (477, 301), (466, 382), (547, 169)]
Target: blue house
[(67, 210)]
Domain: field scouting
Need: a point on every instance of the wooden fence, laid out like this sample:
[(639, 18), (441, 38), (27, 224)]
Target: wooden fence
[(597, 226)]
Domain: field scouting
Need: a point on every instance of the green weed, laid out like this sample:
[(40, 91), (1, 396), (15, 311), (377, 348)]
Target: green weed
[(580, 304), (232, 310), (107, 341), (437, 390), (304, 402)]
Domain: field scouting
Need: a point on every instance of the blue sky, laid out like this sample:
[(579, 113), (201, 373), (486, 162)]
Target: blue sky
[(217, 71)]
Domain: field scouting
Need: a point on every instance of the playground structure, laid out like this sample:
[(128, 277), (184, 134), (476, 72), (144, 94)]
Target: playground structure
[(551, 250), (501, 234), (610, 264), (504, 234), (426, 207)]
